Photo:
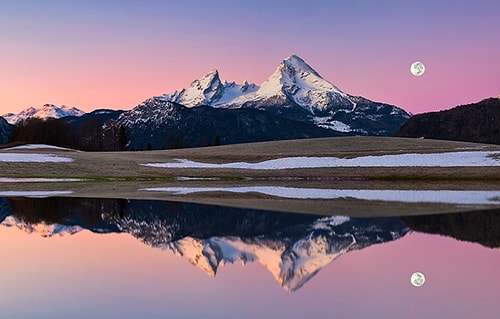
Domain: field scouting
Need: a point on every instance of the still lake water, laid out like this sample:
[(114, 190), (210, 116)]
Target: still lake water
[(112, 258)]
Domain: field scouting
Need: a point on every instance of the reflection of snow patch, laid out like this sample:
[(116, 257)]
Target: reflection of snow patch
[(38, 146), (34, 194), (409, 196), (449, 159)]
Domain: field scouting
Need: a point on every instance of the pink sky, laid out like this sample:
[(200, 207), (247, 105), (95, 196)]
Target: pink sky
[(115, 54)]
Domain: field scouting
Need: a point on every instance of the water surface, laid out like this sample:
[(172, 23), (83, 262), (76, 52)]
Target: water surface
[(107, 258)]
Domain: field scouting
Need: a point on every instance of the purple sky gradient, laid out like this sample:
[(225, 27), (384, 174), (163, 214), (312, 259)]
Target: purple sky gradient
[(115, 54)]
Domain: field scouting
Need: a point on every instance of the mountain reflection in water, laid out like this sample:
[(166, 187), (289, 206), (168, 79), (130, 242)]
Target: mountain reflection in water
[(293, 247)]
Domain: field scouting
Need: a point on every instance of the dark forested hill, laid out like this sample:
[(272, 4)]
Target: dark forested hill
[(5, 129), (477, 122)]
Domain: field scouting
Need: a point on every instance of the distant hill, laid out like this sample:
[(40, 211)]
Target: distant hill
[(5, 129), (476, 122)]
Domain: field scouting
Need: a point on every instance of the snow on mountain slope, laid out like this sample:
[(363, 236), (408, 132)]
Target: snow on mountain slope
[(293, 79), (296, 80), (209, 90), (46, 111), (298, 92)]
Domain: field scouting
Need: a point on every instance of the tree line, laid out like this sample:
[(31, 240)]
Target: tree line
[(89, 135)]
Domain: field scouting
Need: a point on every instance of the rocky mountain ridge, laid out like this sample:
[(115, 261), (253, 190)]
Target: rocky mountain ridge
[(44, 112)]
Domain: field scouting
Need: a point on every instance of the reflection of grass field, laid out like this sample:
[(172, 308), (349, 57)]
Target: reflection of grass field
[(119, 174)]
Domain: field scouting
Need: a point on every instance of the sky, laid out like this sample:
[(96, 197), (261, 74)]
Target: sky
[(116, 54)]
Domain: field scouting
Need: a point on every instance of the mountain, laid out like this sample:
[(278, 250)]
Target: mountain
[(296, 91), (5, 130), (476, 122), (295, 83), (160, 124), (294, 102), (46, 111), (209, 90)]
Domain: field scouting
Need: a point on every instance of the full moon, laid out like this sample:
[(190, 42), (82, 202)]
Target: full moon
[(417, 279), (417, 68)]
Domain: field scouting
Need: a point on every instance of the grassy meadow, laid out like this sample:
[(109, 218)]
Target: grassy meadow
[(121, 175)]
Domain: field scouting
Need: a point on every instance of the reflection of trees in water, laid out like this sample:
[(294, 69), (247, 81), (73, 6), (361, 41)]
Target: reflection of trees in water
[(65, 211), (481, 227), (149, 218)]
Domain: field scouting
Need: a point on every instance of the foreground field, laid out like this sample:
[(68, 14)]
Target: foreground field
[(124, 175)]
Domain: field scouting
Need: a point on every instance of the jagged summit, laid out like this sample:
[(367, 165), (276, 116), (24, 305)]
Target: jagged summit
[(295, 71), (201, 91), (44, 112), (297, 92), (297, 62), (209, 90), (296, 81)]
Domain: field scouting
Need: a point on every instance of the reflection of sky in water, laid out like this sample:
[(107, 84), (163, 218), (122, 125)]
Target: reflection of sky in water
[(116, 275)]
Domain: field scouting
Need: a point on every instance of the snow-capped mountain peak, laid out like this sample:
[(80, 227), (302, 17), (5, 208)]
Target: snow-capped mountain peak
[(44, 112), (201, 91), (295, 91), (295, 72), (209, 90), (295, 80)]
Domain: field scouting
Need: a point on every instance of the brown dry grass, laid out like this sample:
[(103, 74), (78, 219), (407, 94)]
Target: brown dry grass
[(126, 165), (120, 175)]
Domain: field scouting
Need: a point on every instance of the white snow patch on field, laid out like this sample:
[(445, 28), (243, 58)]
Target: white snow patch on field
[(37, 180), (33, 158), (38, 146), (409, 196), (449, 159), (34, 194)]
